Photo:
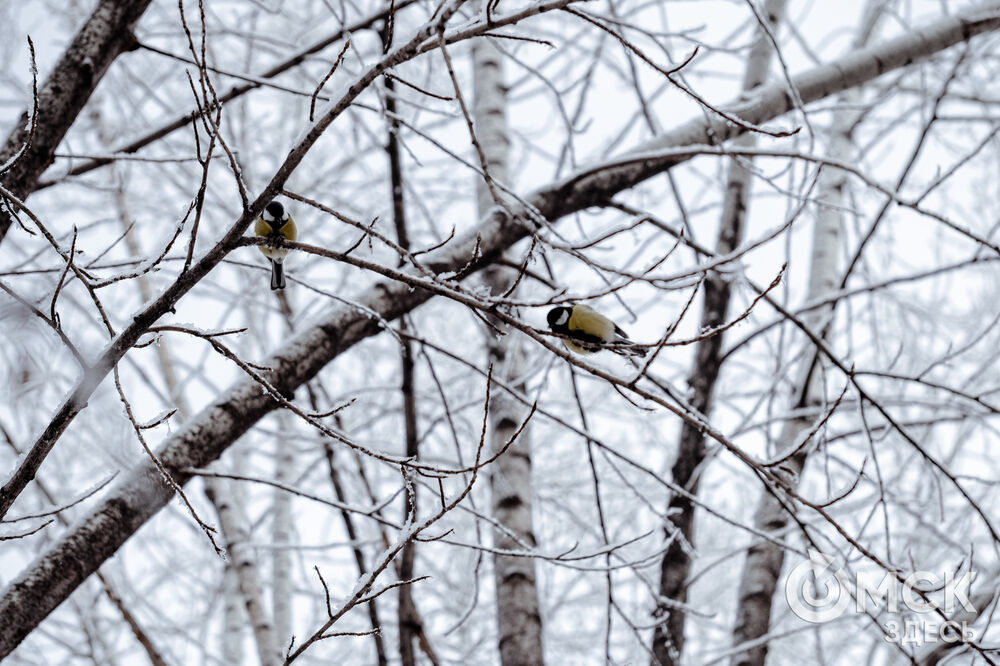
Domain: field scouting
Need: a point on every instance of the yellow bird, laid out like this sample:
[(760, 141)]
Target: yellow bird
[(275, 222), (589, 331)]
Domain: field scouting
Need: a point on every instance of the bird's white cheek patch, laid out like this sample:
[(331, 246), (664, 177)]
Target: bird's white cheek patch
[(563, 319)]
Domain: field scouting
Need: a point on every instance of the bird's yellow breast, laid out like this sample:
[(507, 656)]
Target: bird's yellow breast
[(262, 228), (288, 231)]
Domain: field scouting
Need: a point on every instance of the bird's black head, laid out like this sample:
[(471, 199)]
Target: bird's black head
[(276, 211), (559, 318)]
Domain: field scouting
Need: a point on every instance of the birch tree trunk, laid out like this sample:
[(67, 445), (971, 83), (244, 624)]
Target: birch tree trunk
[(245, 568), (233, 584), (281, 533), (235, 617), (668, 637), (763, 564), (140, 493), (519, 622)]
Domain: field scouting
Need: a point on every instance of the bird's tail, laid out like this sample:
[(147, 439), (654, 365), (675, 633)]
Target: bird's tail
[(277, 275), (626, 347), (630, 349)]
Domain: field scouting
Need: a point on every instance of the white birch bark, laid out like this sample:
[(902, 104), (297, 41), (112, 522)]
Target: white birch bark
[(245, 567), (281, 536), (234, 620), (668, 636), (519, 622), (140, 492), (763, 564), (234, 616)]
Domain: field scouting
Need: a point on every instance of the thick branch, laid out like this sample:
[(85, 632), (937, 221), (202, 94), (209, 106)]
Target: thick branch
[(105, 35)]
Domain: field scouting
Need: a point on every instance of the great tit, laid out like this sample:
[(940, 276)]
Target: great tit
[(275, 222), (589, 331)]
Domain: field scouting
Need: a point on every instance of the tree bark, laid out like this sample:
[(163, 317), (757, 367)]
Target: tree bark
[(519, 622), (246, 569), (234, 618), (140, 492), (282, 593), (668, 637), (764, 561), (105, 35)]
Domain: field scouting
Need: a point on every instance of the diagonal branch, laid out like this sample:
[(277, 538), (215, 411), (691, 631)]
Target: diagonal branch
[(141, 322)]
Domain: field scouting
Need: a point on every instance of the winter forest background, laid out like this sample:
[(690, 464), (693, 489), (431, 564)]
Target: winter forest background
[(793, 204)]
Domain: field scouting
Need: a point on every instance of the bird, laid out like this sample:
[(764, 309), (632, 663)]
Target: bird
[(589, 331), (275, 222)]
